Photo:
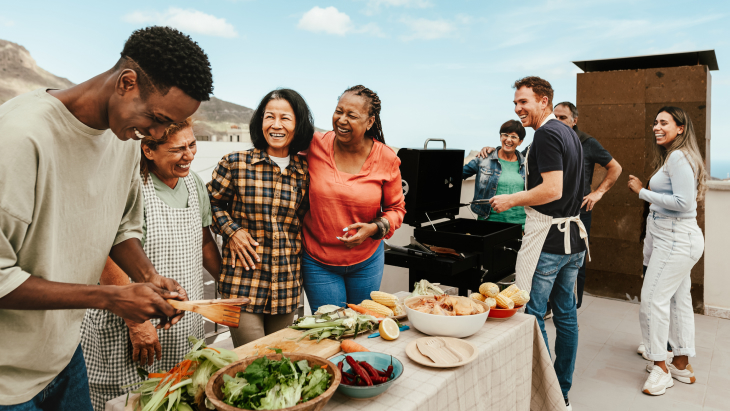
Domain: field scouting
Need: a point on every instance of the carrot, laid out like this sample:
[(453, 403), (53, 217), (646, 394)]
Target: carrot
[(157, 375), (213, 349), (365, 311), (350, 346)]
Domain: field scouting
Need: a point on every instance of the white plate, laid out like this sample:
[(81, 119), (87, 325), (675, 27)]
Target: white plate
[(465, 348)]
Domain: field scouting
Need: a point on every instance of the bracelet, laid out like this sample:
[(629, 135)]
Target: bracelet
[(383, 227)]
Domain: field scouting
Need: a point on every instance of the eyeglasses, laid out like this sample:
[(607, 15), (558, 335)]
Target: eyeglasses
[(505, 135)]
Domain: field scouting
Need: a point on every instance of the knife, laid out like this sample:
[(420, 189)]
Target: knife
[(377, 334)]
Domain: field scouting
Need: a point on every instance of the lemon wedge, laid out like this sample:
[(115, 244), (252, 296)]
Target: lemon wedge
[(389, 329)]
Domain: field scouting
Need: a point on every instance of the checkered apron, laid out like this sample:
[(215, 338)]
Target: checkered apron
[(537, 226), (174, 245)]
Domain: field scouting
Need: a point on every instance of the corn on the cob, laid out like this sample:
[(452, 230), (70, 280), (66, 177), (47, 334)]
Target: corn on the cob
[(489, 289), (504, 302), (491, 302), (399, 310), (520, 297), (377, 307), (388, 300), (507, 292), (477, 296)]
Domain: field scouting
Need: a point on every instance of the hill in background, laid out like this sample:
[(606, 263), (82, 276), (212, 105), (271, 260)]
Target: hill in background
[(20, 74)]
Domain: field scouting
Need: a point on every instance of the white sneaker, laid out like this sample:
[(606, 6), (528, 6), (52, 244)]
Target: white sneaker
[(567, 405), (641, 350), (686, 375), (670, 355), (658, 382)]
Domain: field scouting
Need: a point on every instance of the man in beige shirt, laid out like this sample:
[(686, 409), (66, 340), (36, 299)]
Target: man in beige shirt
[(70, 196)]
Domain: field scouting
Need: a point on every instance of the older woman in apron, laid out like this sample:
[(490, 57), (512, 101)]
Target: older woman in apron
[(553, 247), (178, 242)]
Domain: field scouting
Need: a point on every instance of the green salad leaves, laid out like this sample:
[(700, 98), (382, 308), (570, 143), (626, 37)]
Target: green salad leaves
[(272, 385)]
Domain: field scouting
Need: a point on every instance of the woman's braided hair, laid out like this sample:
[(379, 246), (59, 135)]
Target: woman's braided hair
[(376, 131)]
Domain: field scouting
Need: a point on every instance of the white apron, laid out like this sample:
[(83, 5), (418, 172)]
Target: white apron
[(537, 226), (174, 245)]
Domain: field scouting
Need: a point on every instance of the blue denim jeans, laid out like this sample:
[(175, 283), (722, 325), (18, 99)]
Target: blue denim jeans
[(337, 285), (68, 391), (555, 278)]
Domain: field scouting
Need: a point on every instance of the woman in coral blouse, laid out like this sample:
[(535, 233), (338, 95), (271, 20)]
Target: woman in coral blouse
[(356, 200)]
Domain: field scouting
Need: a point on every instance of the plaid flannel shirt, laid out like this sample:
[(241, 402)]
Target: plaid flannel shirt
[(248, 192)]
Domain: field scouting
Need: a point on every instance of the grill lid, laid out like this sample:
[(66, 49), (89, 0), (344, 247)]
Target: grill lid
[(431, 182)]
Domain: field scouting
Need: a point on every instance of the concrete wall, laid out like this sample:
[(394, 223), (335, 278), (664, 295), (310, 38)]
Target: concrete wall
[(717, 239), (618, 108)]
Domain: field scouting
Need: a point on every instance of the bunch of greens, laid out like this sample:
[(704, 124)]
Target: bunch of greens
[(184, 385), (424, 287), (335, 325), (272, 385)]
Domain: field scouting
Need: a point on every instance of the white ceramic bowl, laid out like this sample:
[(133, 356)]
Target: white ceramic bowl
[(458, 326)]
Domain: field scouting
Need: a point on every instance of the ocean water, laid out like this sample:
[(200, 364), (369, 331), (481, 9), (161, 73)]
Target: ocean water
[(720, 169)]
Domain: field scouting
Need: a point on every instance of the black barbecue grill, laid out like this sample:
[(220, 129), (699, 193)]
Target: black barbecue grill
[(432, 188)]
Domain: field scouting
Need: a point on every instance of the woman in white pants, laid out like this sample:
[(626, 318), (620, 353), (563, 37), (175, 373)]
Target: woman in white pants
[(676, 244)]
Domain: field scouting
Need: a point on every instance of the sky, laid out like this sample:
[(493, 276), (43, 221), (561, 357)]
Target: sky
[(442, 69)]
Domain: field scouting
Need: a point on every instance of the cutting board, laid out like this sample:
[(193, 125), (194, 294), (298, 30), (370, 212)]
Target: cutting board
[(286, 340)]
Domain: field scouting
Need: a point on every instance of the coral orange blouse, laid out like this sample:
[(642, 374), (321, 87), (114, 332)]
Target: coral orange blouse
[(339, 199)]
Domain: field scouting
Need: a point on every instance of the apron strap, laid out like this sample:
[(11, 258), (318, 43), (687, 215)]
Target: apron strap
[(564, 226)]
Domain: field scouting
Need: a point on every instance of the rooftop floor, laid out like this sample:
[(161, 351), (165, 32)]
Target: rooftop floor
[(609, 374)]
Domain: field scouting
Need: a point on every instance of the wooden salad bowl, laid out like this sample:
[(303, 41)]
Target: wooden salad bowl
[(215, 394)]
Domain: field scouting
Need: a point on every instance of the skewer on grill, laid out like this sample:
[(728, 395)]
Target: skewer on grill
[(228, 315)]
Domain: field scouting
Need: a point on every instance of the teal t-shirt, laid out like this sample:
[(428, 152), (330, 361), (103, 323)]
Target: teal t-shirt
[(510, 182), (178, 198)]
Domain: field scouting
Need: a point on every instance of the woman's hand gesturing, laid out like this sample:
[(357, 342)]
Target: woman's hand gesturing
[(364, 231), (242, 249), (635, 184)]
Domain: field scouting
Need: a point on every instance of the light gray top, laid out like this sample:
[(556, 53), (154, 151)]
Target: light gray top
[(673, 188), (68, 193)]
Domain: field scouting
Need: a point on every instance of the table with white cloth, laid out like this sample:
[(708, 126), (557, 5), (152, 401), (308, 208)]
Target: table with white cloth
[(513, 372)]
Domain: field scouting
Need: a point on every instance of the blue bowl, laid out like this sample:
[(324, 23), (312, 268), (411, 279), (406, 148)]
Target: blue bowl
[(379, 361)]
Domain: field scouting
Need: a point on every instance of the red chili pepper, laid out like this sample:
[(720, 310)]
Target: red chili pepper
[(357, 368), (389, 371), (369, 368)]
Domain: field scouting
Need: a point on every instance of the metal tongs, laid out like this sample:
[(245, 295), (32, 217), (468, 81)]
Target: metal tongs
[(421, 252)]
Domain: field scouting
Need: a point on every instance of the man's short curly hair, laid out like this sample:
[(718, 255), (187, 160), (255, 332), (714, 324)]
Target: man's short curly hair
[(168, 58), (540, 87)]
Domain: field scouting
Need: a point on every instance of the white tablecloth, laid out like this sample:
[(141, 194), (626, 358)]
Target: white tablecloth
[(513, 372)]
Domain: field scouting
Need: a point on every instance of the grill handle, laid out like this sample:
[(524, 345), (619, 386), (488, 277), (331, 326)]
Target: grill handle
[(425, 145)]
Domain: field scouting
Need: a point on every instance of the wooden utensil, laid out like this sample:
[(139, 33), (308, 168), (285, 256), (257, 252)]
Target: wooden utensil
[(445, 353), (230, 301), (228, 315), (441, 357), (439, 342)]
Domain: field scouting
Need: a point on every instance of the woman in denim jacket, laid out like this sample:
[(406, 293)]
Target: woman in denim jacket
[(502, 172)]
